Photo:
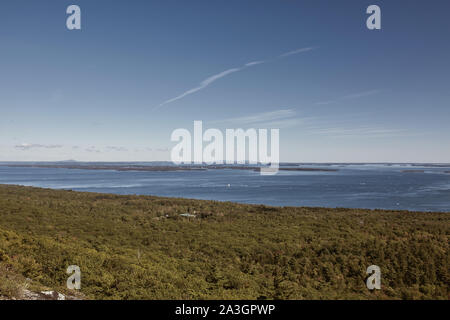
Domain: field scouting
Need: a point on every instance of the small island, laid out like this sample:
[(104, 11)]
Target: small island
[(118, 167)]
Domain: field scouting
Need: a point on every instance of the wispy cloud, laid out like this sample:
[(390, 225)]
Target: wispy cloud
[(284, 123), (92, 149), (346, 128), (361, 94), (290, 53), (282, 118), (205, 83), (115, 148), (311, 125), (202, 85), (322, 103), (350, 96), (259, 117), (254, 63), (28, 146), (358, 132)]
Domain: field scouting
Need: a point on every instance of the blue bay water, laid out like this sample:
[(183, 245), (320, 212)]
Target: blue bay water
[(353, 186)]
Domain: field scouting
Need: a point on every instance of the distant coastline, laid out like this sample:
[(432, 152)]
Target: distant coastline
[(169, 166), (158, 168)]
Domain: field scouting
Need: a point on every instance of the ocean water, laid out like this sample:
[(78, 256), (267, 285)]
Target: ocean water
[(353, 186)]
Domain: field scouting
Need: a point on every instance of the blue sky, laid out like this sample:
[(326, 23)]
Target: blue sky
[(115, 90)]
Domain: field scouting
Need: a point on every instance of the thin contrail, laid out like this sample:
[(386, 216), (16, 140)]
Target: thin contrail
[(205, 83)]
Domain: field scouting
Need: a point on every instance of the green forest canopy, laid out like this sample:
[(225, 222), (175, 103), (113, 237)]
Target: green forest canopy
[(139, 247)]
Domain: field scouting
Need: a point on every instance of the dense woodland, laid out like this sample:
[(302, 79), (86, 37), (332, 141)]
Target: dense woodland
[(139, 247)]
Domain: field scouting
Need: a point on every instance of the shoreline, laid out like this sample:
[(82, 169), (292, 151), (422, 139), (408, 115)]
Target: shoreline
[(224, 201), (160, 168)]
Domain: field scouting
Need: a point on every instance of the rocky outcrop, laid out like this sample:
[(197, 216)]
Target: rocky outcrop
[(43, 295)]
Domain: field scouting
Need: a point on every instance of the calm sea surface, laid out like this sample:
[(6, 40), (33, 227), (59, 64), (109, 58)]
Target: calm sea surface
[(353, 186)]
